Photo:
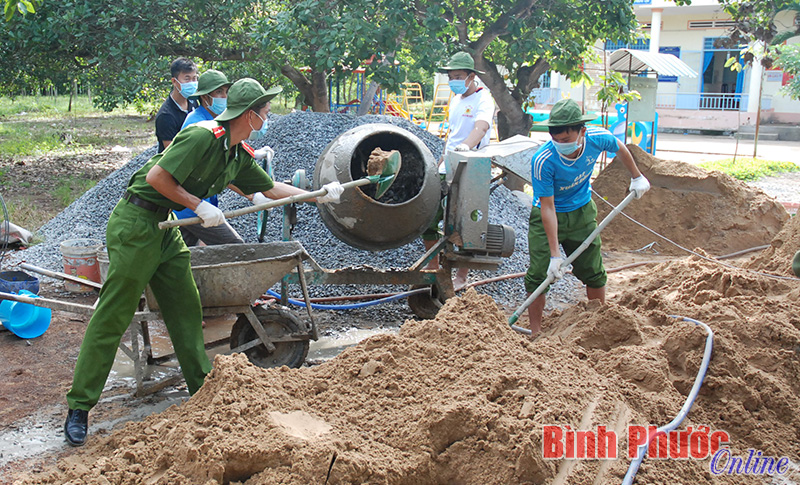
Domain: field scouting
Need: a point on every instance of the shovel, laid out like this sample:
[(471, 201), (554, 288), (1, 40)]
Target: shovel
[(382, 169), (585, 244)]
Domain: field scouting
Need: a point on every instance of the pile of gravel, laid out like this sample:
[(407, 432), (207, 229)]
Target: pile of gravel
[(298, 139)]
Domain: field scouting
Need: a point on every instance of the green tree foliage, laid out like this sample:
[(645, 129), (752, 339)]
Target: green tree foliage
[(515, 41), (756, 22), (789, 61), (24, 7), (124, 48), (316, 39)]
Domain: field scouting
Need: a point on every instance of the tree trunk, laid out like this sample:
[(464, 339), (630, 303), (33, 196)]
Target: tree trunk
[(366, 99), (320, 87), (72, 93), (314, 91), (511, 120)]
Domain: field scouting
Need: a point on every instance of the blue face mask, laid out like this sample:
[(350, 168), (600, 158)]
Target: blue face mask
[(256, 134), (188, 89), (567, 148), (218, 105), (458, 86)]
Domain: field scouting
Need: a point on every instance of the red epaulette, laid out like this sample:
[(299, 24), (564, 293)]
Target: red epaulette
[(218, 131), (249, 149)]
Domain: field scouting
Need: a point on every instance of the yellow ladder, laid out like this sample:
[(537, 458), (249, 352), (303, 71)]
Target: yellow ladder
[(413, 103), (437, 118)]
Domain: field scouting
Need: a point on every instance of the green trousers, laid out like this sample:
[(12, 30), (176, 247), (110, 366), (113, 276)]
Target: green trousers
[(573, 228), (140, 253)]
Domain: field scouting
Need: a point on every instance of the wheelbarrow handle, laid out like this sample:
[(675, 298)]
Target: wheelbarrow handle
[(585, 244), (267, 205)]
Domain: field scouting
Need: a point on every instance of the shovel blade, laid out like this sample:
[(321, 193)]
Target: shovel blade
[(389, 174)]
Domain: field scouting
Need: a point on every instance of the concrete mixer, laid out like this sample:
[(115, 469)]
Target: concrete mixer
[(404, 212)]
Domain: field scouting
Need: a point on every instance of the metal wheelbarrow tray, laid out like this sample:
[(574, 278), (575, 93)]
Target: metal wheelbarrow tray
[(229, 278), (238, 274)]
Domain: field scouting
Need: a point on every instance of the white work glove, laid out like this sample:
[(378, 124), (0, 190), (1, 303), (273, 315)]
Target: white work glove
[(554, 269), (210, 214), (639, 186), (262, 153), (259, 198), (335, 190), (462, 147)]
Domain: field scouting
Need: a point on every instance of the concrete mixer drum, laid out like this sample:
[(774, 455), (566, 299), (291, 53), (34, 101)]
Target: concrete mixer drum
[(403, 212)]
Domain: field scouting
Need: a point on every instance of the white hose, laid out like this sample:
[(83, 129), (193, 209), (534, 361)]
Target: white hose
[(698, 381)]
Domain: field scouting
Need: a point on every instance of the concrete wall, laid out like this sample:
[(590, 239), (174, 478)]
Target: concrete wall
[(675, 32)]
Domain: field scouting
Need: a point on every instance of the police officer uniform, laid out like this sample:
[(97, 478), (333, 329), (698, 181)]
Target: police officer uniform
[(202, 161)]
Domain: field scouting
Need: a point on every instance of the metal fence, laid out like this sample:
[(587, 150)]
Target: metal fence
[(708, 101), (548, 96)]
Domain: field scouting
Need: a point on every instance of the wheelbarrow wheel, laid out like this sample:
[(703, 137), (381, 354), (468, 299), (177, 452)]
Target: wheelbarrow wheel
[(425, 305), (278, 322)]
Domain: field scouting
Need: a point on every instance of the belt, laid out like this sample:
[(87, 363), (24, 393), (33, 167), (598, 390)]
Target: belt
[(144, 204)]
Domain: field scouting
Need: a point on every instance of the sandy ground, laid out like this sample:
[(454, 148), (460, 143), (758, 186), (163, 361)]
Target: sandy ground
[(458, 399)]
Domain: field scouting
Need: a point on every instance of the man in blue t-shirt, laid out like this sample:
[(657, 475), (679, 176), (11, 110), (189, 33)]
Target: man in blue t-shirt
[(563, 211)]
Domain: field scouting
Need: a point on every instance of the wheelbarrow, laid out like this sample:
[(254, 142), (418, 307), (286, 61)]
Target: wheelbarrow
[(229, 278)]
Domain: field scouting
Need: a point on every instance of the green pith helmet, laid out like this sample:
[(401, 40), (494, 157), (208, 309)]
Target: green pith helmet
[(210, 81), (796, 264), (566, 113), (245, 94), (461, 61)]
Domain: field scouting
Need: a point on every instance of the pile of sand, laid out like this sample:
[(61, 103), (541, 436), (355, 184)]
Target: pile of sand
[(777, 258), (462, 398), (689, 205)]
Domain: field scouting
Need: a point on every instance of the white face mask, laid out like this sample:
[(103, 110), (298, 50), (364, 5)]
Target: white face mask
[(567, 148), (256, 134)]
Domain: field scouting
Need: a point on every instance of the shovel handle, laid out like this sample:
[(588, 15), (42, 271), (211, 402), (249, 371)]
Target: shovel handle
[(585, 244), (267, 205)]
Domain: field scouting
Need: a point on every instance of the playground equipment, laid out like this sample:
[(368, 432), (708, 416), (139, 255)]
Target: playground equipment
[(439, 113), (394, 107), (642, 134), (346, 93), (413, 103)]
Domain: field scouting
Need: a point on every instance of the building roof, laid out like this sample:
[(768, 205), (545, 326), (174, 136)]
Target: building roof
[(636, 61)]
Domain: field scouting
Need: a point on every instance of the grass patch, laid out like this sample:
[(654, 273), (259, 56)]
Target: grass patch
[(25, 213), (24, 140), (70, 188), (749, 169), (31, 126)]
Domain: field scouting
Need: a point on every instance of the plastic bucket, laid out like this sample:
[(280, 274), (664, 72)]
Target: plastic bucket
[(102, 261), (23, 319), (15, 281), (80, 259)]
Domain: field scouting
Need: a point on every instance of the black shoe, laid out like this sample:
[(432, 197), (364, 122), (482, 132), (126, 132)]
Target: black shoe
[(76, 426)]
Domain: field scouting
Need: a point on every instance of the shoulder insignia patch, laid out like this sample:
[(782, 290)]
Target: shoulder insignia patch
[(218, 131), (248, 149), (214, 127)]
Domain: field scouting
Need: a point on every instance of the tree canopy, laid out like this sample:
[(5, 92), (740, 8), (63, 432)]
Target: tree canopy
[(124, 48), (515, 41)]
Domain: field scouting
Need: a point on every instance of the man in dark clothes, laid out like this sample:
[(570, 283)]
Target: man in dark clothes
[(173, 111)]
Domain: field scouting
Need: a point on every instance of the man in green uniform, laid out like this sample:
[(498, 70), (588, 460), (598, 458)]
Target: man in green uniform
[(201, 161)]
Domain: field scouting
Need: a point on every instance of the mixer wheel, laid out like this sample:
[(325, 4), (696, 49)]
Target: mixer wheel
[(425, 305), (278, 322)]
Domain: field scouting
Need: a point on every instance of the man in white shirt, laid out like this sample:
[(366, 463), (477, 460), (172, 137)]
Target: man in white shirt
[(470, 115)]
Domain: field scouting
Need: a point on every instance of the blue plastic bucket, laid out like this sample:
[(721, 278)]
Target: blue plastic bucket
[(23, 319), (15, 281)]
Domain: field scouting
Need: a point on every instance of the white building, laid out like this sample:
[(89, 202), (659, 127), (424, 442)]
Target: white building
[(718, 99)]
